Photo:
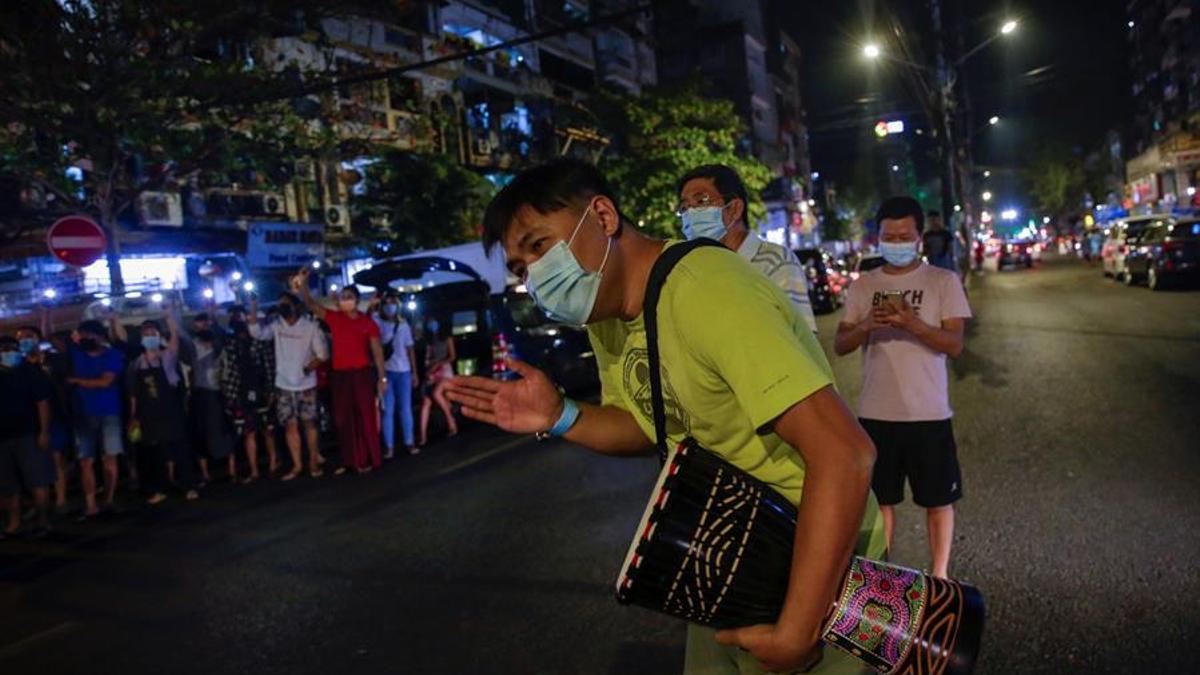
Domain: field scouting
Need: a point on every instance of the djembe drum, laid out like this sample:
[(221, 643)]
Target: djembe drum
[(714, 547)]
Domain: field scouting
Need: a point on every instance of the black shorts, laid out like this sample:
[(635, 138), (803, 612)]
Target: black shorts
[(924, 452)]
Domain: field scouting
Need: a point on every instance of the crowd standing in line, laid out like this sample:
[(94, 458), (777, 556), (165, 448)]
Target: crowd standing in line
[(181, 408)]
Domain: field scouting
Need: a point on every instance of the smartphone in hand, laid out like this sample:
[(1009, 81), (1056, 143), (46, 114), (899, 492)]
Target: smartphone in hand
[(893, 301)]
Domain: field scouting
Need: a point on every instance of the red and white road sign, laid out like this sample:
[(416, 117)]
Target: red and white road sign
[(76, 240)]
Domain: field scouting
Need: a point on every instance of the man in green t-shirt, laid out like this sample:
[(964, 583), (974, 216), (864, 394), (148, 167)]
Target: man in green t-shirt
[(742, 374)]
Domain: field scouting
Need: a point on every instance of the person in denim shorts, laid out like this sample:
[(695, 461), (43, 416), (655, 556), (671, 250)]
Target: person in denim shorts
[(95, 368)]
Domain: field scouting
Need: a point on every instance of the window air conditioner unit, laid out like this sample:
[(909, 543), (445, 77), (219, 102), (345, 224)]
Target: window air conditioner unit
[(243, 204), (338, 218), (160, 209), (273, 204)]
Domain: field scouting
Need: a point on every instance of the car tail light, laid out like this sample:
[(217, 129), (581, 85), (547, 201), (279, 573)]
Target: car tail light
[(501, 353)]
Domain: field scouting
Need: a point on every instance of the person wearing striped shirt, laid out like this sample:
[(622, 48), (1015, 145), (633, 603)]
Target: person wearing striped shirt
[(712, 203)]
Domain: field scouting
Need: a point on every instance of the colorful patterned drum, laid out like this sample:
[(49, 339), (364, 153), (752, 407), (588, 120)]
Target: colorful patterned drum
[(715, 547)]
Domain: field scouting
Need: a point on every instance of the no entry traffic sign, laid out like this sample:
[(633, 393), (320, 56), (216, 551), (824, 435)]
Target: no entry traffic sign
[(76, 240)]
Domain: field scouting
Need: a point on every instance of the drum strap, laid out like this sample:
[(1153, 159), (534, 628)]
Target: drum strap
[(666, 262)]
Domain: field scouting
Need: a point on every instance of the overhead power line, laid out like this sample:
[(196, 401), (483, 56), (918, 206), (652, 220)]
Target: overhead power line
[(386, 73)]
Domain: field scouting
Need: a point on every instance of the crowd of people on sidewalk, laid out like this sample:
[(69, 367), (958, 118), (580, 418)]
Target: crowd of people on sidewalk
[(176, 408)]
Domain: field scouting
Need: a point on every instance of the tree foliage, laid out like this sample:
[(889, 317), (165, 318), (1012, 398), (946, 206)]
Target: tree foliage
[(1056, 180), (420, 201), (141, 94), (660, 135)]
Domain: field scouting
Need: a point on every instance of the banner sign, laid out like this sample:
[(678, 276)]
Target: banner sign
[(284, 244)]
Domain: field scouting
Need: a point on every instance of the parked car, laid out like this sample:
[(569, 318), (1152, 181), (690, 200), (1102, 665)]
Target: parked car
[(1166, 253), (1121, 236), (866, 263), (486, 325), (826, 286)]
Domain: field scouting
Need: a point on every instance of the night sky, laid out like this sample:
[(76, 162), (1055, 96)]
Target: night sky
[(1061, 78)]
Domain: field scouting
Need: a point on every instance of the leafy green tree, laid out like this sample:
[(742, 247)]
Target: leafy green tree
[(660, 135), (1056, 180), (140, 94), (418, 201)]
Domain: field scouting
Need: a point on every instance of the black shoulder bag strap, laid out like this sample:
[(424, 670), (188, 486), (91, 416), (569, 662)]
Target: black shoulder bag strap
[(658, 276)]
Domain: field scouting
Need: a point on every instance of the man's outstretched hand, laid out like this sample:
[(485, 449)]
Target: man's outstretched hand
[(529, 405)]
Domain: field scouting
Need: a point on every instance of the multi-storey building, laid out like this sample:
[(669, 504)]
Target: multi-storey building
[(742, 53), (1164, 171)]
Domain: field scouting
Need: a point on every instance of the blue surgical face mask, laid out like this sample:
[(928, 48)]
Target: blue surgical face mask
[(10, 359), (389, 310), (151, 342), (560, 286), (433, 326), (898, 254), (27, 345), (704, 221)]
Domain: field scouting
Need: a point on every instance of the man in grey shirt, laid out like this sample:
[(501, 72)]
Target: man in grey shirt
[(712, 203)]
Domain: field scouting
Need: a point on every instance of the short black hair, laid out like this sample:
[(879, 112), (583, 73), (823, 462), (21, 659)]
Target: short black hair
[(353, 289), (933, 213), (202, 316), (728, 183), (92, 327), (290, 297), (151, 323), (901, 206), (32, 329), (547, 188), (8, 341)]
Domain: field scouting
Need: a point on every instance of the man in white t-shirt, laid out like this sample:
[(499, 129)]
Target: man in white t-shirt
[(396, 337), (908, 317), (299, 350), (712, 203)]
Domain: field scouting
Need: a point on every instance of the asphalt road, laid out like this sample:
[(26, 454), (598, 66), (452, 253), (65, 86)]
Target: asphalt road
[(1077, 422)]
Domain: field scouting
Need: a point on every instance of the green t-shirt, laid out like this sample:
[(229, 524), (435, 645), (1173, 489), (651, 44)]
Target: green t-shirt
[(736, 354)]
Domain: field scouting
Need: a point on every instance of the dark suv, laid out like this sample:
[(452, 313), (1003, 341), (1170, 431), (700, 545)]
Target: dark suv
[(486, 326)]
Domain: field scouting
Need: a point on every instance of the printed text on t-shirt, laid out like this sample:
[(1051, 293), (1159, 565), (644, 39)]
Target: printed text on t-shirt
[(913, 297)]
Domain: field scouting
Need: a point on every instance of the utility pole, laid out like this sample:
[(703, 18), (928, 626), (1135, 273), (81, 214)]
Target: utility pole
[(945, 105), (966, 156)]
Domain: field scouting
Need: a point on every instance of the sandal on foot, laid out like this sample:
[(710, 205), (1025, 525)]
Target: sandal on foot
[(341, 470), (291, 475)]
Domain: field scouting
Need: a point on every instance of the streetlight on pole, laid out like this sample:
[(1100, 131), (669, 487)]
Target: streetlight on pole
[(938, 98)]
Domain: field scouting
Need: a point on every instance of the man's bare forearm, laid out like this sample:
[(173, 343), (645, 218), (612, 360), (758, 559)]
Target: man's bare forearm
[(850, 337), (942, 340), (839, 457), (609, 430)]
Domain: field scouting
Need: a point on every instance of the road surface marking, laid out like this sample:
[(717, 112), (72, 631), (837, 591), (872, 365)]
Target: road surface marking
[(9, 651), (503, 447)]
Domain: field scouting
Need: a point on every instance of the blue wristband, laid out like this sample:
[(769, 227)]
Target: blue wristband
[(566, 420)]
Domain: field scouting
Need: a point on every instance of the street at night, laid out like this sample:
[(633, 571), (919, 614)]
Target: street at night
[(614, 337), (1075, 412)]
